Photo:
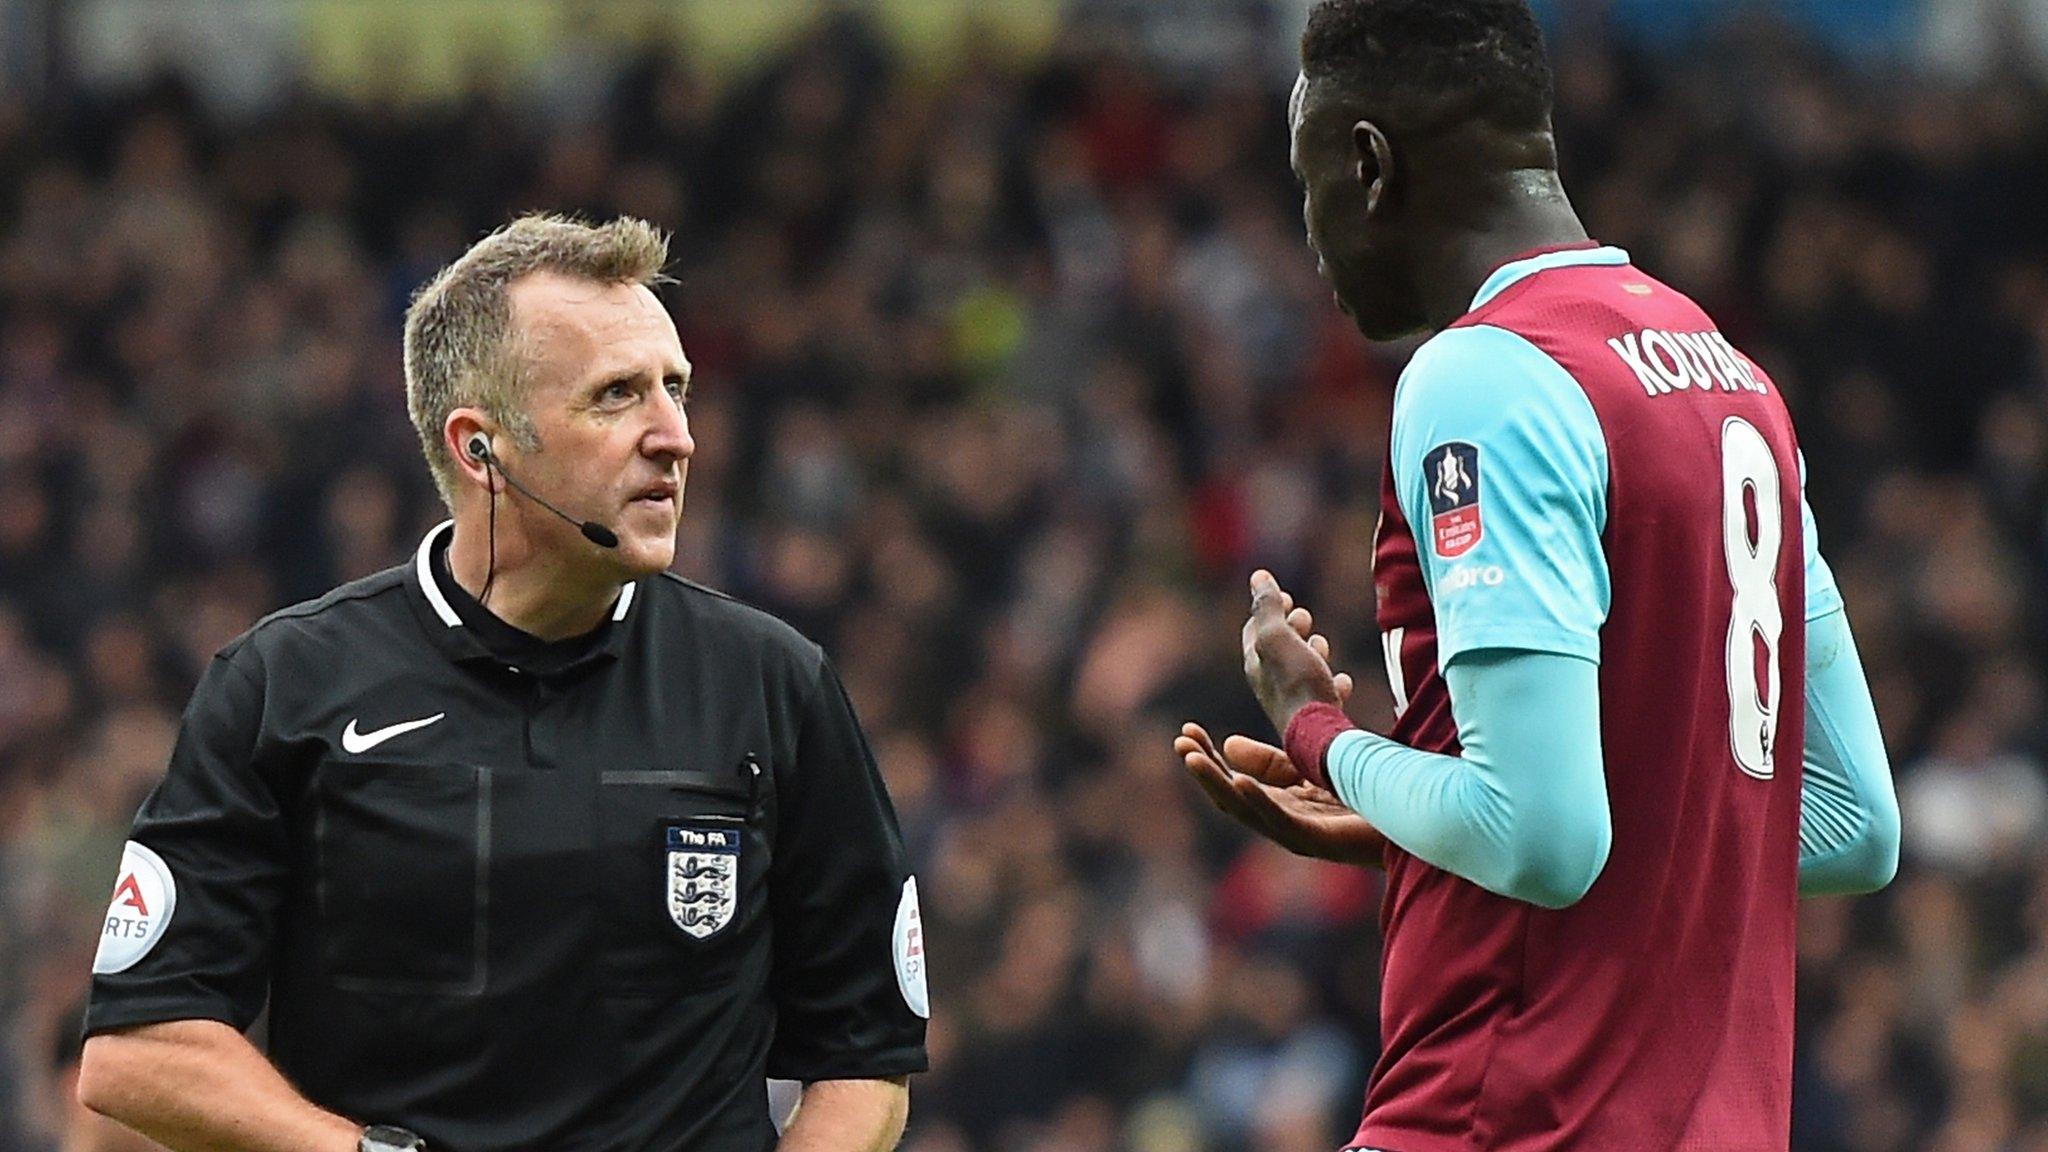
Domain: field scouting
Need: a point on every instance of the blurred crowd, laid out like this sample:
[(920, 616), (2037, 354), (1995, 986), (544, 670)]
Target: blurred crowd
[(1007, 375)]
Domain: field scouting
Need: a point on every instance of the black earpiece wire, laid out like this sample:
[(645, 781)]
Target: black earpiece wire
[(490, 461)]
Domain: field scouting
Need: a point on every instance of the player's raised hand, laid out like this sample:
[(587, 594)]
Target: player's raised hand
[(1254, 784), (1304, 625), (1286, 671)]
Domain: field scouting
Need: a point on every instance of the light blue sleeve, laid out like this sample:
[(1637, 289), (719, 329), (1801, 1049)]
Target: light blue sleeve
[(1848, 812), (1490, 434), (1523, 812), (1500, 466)]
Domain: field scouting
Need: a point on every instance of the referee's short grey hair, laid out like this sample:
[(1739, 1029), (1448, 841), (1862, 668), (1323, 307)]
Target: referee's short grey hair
[(460, 346)]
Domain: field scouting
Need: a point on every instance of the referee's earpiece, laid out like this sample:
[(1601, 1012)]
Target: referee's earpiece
[(479, 447)]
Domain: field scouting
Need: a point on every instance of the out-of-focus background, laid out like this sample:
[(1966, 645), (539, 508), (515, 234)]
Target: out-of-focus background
[(1011, 364)]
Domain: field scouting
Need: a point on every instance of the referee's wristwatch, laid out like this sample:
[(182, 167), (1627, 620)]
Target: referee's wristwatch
[(385, 1138)]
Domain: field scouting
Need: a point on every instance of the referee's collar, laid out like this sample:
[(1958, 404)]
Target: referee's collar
[(444, 625)]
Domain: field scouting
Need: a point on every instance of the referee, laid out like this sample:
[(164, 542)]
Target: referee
[(526, 843)]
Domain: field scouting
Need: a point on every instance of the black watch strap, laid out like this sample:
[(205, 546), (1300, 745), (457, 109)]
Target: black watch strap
[(385, 1138)]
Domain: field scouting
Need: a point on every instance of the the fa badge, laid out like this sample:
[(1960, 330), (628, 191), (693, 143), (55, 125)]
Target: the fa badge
[(1453, 473), (703, 878)]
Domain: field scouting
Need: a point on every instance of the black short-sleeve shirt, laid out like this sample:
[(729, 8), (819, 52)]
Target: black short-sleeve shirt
[(589, 904)]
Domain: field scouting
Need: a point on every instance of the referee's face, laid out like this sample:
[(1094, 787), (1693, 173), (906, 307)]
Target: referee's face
[(605, 392)]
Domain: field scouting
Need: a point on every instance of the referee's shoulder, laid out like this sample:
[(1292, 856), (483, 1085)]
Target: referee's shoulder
[(361, 611), (729, 623)]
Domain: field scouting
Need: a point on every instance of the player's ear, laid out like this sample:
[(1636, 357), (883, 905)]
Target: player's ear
[(1374, 158)]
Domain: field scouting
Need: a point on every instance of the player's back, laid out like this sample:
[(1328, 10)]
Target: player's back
[(1656, 1013)]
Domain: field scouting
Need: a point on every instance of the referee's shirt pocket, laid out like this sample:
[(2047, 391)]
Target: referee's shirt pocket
[(402, 875), (683, 859)]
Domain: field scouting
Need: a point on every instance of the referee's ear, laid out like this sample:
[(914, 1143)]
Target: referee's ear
[(462, 435)]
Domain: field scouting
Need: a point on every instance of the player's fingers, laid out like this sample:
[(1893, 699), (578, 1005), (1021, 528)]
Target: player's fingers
[(1269, 603), (1302, 622), (1194, 742), (1276, 650), (1320, 644), (1215, 783), (1270, 634), (1262, 810), (1260, 760), (1191, 741), (1344, 687)]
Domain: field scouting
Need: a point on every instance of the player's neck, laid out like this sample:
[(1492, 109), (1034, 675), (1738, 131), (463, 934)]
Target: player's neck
[(531, 588), (1537, 217)]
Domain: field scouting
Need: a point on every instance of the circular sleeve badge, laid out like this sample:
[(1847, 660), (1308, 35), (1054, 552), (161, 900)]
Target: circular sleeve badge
[(908, 946), (145, 895)]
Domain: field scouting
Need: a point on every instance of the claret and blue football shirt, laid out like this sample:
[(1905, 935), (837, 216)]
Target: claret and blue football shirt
[(1588, 479)]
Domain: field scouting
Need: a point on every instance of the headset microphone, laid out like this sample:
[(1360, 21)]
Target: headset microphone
[(598, 534)]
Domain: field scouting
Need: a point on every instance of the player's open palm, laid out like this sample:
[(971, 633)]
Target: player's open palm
[(1254, 784)]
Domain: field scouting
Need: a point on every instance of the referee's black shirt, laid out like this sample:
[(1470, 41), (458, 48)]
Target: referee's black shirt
[(575, 896)]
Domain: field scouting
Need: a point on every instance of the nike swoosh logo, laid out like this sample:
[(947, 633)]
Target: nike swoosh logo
[(356, 743)]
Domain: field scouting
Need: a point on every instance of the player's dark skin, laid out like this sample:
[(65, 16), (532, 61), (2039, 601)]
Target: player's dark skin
[(1410, 205)]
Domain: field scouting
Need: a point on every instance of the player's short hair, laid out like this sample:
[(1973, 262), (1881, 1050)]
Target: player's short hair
[(1463, 59), (460, 346)]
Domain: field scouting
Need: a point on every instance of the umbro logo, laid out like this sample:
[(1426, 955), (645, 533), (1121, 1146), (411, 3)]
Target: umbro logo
[(356, 743)]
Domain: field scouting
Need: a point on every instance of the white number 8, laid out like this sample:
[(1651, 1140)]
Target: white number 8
[(1753, 531)]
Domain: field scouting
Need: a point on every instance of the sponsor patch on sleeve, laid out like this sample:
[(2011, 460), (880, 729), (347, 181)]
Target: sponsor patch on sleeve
[(908, 945), (145, 895), (1452, 470)]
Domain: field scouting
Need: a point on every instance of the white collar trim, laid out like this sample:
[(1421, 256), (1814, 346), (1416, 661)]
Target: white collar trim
[(423, 564)]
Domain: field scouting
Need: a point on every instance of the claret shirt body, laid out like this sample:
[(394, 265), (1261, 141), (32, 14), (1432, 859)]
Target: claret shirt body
[(1584, 465)]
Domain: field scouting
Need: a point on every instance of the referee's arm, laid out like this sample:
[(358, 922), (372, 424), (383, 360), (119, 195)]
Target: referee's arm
[(183, 961), (849, 1116), (199, 1084), (849, 985)]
